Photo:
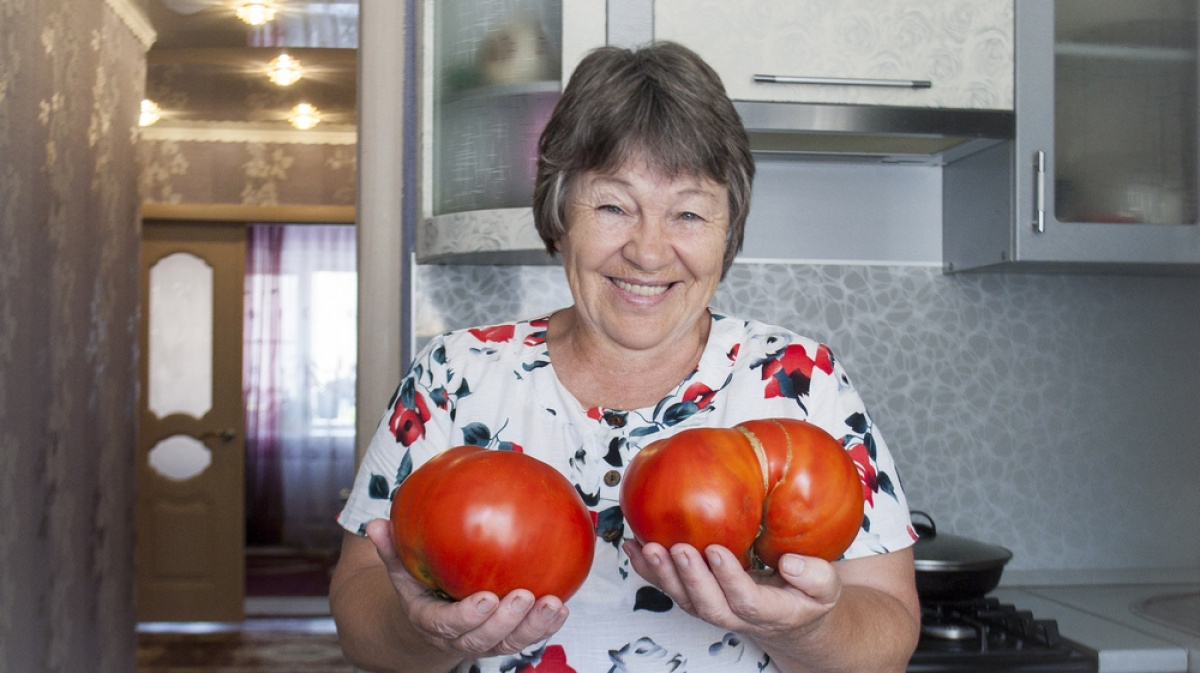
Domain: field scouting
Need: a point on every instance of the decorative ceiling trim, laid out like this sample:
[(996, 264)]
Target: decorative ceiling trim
[(135, 19), (248, 132)]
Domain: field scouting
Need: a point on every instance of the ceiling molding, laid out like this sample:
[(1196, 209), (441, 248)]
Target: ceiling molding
[(135, 19), (249, 132)]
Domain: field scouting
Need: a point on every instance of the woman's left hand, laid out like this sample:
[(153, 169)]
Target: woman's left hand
[(714, 587)]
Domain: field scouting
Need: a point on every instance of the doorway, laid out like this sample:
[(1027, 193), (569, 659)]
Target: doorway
[(299, 355), (247, 434)]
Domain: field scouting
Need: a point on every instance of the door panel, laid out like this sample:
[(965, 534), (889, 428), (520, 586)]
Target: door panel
[(191, 526)]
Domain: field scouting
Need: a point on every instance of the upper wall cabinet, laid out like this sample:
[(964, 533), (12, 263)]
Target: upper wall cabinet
[(491, 75), (911, 53), (1102, 175)]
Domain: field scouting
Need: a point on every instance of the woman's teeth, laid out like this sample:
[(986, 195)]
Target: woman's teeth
[(643, 290)]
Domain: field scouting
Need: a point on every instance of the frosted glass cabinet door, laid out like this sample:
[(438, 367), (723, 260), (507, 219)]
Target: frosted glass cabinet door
[(1104, 159), (1125, 111), (496, 69)]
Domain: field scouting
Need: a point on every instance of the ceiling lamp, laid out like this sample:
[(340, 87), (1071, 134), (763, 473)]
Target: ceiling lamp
[(305, 116), (256, 12), (150, 113), (284, 70)]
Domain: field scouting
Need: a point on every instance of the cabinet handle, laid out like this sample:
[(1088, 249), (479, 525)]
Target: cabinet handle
[(1039, 192), (847, 81)]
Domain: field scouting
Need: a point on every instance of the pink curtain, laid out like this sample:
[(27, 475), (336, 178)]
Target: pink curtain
[(300, 363), (261, 386)]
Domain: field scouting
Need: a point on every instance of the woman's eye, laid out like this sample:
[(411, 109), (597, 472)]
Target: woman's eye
[(689, 217), (611, 208)]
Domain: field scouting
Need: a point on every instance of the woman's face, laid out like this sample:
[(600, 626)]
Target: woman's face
[(643, 252)]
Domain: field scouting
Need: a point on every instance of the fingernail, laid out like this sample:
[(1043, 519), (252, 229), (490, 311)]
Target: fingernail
[(681, 560), (791, 565), (549, 612), (520, 604), (714, 559), (485, 605)]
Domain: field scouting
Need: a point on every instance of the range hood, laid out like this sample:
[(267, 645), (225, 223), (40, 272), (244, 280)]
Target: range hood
[(871, 133)]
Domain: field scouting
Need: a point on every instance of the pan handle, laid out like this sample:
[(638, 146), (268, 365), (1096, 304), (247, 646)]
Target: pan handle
[(926, 530)]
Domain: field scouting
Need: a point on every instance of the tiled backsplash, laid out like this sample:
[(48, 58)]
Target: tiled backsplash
[(1052, 414)]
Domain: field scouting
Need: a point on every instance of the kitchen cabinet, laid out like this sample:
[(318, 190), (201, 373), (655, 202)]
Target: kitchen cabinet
[(1102, 173), (913, 53), (491, 74)]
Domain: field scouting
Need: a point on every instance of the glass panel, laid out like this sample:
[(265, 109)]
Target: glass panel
[(181, 336), (1125, 111), (180, 457), (497, 68)]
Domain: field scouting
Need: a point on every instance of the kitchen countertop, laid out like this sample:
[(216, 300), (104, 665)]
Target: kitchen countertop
[(1098, 616)]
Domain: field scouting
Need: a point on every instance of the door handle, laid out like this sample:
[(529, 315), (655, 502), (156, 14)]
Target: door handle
[(226, 436)]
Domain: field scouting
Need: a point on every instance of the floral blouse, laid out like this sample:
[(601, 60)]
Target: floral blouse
[(495, 387)]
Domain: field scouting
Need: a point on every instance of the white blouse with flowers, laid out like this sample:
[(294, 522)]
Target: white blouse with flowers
[(495, 387)]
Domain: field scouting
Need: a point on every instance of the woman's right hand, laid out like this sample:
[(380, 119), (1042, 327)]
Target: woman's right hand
[(479, 625)]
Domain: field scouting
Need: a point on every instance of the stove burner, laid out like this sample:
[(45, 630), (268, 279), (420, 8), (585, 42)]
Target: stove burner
[(987, 635), (949, 631)]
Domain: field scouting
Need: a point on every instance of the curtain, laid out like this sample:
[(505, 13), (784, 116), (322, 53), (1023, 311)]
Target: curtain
[(299, 371)]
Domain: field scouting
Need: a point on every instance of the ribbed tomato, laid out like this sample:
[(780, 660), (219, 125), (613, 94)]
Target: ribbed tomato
[(761, 489), (473, 519), (701, 486)]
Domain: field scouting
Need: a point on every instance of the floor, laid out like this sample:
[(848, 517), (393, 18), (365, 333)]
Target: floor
[(282, 634)]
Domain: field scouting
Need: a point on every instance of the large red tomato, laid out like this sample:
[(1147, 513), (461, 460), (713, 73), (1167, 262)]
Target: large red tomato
[(814, 502), (473, 519), (701, 486), (762, 488)]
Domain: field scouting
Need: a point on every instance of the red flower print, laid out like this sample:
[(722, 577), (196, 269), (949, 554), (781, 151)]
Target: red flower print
[(494, 333), (595, 413), (554, 660), (408, 425), (538, 336), (700, 394), (789, 373), (866, 472), (824, 359), (733, 352)]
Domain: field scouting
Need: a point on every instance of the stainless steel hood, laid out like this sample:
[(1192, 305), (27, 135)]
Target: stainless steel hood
[(871, 133)]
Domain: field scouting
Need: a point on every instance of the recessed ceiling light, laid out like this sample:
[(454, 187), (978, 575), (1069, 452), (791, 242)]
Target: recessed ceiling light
[(256, 12), (305, 116), (150, 113), (284, 70)]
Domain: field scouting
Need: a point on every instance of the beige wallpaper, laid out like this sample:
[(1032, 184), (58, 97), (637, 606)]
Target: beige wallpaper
[(71, 78)]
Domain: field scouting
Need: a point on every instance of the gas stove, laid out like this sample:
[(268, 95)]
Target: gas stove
[(988, 636)]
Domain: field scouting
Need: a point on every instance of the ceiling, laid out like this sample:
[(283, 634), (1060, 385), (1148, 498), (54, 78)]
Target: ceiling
[(209, 69)]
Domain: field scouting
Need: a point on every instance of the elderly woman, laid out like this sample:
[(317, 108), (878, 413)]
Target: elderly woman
[(643, 186)]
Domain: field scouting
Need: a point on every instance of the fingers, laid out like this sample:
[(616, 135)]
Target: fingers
[(517, 622), (481, 624), (813, 577)]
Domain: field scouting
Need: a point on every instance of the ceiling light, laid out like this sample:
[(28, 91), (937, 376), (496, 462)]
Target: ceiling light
[(284, 70), (305, 116), (150, 113), (256, 12)]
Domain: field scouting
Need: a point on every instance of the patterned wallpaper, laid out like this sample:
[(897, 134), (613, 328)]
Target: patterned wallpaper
[(255, 173), (71, 78), (1051, 414)]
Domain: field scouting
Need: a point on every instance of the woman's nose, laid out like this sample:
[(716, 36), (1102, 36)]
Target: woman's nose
[(648, 247)]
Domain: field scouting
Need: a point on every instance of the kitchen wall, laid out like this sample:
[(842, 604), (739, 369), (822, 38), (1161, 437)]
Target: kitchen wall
[(71, 78), (1051, 414)]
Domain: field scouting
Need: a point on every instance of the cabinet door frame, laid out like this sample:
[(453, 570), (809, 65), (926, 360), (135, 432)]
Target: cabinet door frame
[(1152, 245)]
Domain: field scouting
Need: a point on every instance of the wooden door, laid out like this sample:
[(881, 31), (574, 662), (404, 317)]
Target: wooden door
[(191, 493)]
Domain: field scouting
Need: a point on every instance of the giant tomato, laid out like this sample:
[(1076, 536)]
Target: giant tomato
[(762, 489), (473, 519)]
